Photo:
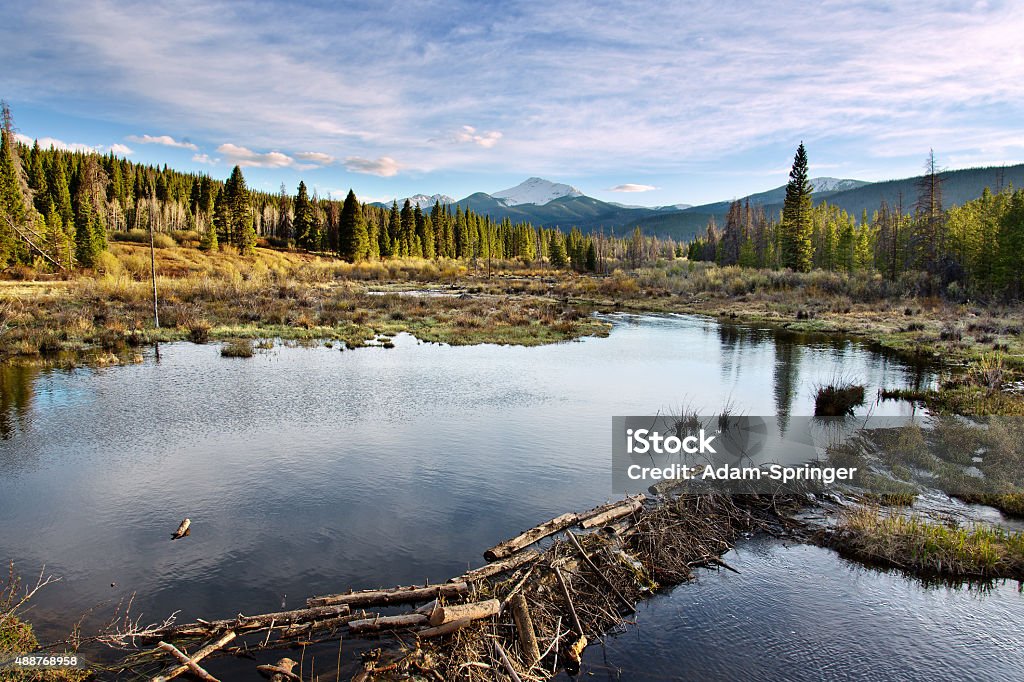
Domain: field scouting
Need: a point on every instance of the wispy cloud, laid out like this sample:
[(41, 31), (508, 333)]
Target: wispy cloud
[(48, 142), (204, 159), (165, 140), (575, 87), (245, 157), (384, 166), (484, 139), (632, 187), (316, 158)]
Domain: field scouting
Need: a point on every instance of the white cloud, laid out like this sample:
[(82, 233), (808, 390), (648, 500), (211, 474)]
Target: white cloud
[(48, 142), (469, 134), (165, 140), (632, 187), (204, 158), (384, 166), (316, 158), (235, 155), (598, 86)]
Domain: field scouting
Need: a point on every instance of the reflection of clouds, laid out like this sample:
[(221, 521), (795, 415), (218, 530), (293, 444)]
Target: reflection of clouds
[(295, 464)]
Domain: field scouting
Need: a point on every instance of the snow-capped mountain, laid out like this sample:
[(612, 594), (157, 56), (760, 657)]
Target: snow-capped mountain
[(536, 191), (424, 202), (835, 184)]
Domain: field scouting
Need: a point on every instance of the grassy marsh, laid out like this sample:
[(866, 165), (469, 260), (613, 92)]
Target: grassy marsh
[(925, 547)]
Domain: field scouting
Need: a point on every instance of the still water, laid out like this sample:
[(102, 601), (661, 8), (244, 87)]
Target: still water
[(310, 470)]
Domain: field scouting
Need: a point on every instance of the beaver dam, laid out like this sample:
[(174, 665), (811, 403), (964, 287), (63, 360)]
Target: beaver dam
[(525, 615)]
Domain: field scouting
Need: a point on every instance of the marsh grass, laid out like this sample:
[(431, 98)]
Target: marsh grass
[(237, 348), (925, 547), (838, 398)]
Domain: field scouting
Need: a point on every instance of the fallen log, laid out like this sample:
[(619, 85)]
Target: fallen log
[(395, 595), (443, 629), (300, 629), (527, 538), (492, 569), (471, 611), (605, 514), (381, 623), (183, 529), (242, 623), (196, 657), (524, 627), (187, 662)]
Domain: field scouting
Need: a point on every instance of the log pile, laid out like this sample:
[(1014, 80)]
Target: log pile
[(525, 615)]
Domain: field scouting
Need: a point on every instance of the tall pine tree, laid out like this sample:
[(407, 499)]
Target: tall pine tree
[(796, 244)]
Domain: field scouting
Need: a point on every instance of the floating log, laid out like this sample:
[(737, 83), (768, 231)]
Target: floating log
[(444, 629), (527, 538), (243, 623), (187, 662), (394, 595), (195, 658), (381, 623), (471, 611), (183, 529), (489, 570), (603, 515), (524, 627)]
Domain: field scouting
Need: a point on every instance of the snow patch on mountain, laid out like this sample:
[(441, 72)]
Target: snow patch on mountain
[(826, 184), (536, 191), (424, 201)]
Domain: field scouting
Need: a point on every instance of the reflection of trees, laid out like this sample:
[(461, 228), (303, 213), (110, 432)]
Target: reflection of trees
[(787, 369), (15, 397)]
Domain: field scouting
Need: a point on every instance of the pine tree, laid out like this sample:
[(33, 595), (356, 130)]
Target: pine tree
[(556, 250), (86, 250), (796, 245), (12, 207), (352, 234), (591, 263), (239, 226), (303, 223), (407, 231)]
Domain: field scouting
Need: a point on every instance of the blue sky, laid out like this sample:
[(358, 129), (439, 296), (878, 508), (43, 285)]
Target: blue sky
[(677, 102)]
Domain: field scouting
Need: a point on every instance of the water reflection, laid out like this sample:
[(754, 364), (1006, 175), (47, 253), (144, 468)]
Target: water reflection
[(16, 393), (284, 462)]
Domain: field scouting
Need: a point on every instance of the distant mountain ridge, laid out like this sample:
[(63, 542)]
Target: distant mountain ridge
[(550, 204)]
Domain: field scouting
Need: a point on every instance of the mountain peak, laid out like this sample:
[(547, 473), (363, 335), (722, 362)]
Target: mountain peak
[(826, 184), (536, 191), (424, 201)]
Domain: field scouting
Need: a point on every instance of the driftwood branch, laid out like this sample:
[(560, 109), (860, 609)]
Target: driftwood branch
[(605, 514), (498, 567), (395, 595), (527, 538), (195, 658), (187, 663)]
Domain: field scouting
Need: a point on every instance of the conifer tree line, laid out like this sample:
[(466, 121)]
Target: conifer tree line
[(975, 249), (59, 209)]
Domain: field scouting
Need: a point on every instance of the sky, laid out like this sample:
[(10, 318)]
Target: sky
[(643, 103)]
